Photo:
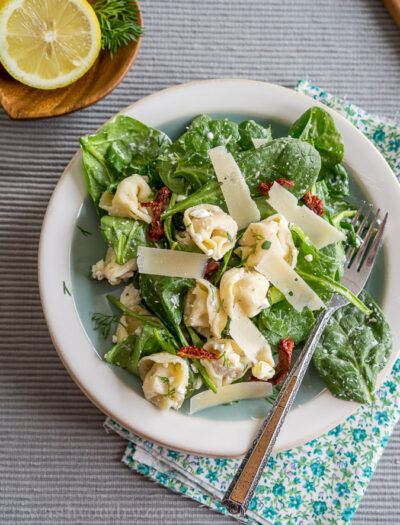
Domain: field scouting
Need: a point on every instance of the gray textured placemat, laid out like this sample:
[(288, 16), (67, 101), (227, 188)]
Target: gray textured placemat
[(56, 463)]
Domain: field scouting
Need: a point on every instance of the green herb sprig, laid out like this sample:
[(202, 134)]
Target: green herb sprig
[(118, 23), (104, 323)]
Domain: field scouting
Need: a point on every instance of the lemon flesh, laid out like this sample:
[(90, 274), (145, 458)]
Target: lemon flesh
[(48, 44)]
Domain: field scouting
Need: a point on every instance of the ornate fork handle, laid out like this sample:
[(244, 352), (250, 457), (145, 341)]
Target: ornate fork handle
[(240, 492)]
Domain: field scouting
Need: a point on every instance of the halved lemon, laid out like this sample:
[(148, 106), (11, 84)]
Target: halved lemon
[(48, 44)]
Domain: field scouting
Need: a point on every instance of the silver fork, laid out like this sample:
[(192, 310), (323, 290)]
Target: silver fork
[(358, 267)]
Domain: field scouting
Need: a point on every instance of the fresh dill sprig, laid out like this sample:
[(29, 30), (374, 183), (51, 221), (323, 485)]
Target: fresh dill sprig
[(104, 322), (118, 23), (171, 391), (65, 289), (84, 232)]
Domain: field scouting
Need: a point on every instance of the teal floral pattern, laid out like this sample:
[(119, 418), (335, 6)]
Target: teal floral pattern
[(323, 481)]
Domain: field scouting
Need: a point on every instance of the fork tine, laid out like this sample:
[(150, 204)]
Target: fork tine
[(369, 261), (351, 249), (362, 250)]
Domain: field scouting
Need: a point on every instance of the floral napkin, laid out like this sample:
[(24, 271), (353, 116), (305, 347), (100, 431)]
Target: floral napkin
[(323, 481)]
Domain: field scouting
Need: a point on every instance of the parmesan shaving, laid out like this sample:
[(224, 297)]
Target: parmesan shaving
[(318, 229), (240, 205), (170, 263), (297, 292), (229, 393), (250, 340)]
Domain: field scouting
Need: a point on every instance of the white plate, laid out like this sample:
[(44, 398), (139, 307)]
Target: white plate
[(97, 380)]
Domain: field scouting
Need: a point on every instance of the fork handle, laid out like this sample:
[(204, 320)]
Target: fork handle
[(240, 492)]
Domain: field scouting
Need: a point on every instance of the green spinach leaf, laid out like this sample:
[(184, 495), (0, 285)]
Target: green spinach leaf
[(353, 350), (186, 162), (337, 182), (125, 236), (289, 158), (282, 320), (128, 353), (317, 127), (164, 296), (124, 146), (249, 129)]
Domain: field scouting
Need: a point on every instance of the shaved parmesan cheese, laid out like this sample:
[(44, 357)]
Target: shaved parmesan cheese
[(283, 277), (257, 143), (229, 393), (250, 340), (171, 263), (241, 206), (318, 229)]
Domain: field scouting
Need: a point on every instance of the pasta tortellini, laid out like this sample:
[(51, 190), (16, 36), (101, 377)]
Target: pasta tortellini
[(165, 379), (263, 368), (230, 365), (130, 297), (203, 310), (211, 229), (131, 191), (243, 288), (112, 271), (271, 233)]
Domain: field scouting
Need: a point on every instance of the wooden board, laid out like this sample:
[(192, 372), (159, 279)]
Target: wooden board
[(24, 102)]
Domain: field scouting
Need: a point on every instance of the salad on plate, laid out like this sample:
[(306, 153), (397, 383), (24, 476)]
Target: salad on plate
[(230, 243)]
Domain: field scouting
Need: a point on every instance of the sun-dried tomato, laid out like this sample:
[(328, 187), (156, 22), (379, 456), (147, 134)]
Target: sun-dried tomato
[(286, 346), (156, 230), (314, 203), (194, 352), (212, 266), (264, 187)]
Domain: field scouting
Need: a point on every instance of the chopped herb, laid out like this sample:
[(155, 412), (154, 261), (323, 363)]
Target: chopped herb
[(243, 262), (229, 236), (225, 362), (291, 294), (83, 232), (104, 322), (258, 236), (65, 289), (266, 245), (118, 23), (171, 391), (220, 306)]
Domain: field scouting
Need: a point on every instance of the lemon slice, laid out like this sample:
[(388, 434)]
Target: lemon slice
[(48, 44)]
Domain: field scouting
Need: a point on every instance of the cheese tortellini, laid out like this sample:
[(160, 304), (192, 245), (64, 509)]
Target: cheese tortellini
[(203, 310), (165, 379), (131, 191), (112, 271), (272, 233), (244, 288), (130, 297), (230, 365), (263, 368), (211, 229)]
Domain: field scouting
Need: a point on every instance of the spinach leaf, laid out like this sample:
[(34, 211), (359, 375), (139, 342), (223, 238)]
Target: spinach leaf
[(249, 129), (122, 147), (289, 158), (127, 353), (210, 193), (325, 270), (125, 236), (353, 350), (186, 161), (317, 127), (333, 204), (337, 181), (164, 296), (282, 320), (329, 261)]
